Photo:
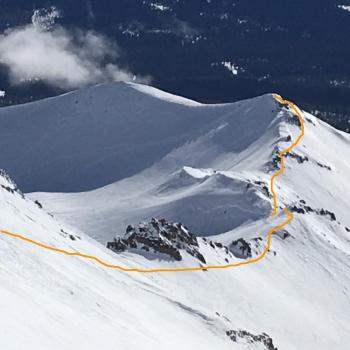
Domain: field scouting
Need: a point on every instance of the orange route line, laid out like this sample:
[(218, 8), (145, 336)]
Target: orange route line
[(200, 268), (287, 150)]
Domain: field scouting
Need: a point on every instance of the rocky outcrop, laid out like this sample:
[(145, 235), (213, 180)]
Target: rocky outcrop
[(243, 336), (219, 249), (241, 249), (158, 236), (303, 208), (8, 184), (283, 234), (276, 158), (293, 119), (260, 186), (324, 166), (300, 159)]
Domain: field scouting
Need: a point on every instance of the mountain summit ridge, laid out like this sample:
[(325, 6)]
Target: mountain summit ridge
[(95, 136)]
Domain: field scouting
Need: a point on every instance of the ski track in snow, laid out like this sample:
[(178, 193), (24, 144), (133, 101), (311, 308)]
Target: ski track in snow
[(201, 268)]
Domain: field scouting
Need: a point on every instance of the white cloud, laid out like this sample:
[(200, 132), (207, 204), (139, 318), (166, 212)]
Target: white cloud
[(58, 57), (344, 7)]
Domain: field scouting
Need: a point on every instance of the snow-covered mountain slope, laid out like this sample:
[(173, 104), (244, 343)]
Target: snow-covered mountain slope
[(220, 178), (214, 178), (158, 147), (52, 301), (94, 137), (49, 300)]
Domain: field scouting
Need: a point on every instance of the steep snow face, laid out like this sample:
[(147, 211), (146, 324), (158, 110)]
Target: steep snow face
[(94, 137)]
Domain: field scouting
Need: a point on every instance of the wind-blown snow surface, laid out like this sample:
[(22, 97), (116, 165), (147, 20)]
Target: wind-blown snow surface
[(51, 301), (93, 137), (212, 177), (299, 297), (149, 141)]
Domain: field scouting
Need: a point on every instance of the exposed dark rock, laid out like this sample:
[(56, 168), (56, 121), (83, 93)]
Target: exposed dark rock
[(303, 208), (8, 189), (12, 186), (71, 236), (241, 249), (286, 139), (300, 159), (294, 120), (275, 162), (309, 121), (259, 183), (308, 209), (325, 212), (295, 209), (264, 188), (219, 245), (159, 236), (241, 335), (38, 204), (324, 166), (284, 234)]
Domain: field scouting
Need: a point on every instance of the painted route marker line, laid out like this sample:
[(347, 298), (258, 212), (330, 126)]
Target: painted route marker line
[(207, 267)]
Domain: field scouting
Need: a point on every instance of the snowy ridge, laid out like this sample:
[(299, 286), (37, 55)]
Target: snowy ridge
[(155, 138), (217, 173), (111, 132), (162, 95)]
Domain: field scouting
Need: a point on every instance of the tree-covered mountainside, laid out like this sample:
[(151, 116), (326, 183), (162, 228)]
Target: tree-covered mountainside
[(214, 50)]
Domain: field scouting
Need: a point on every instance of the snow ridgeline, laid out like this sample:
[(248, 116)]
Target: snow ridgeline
[(206, 166)]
